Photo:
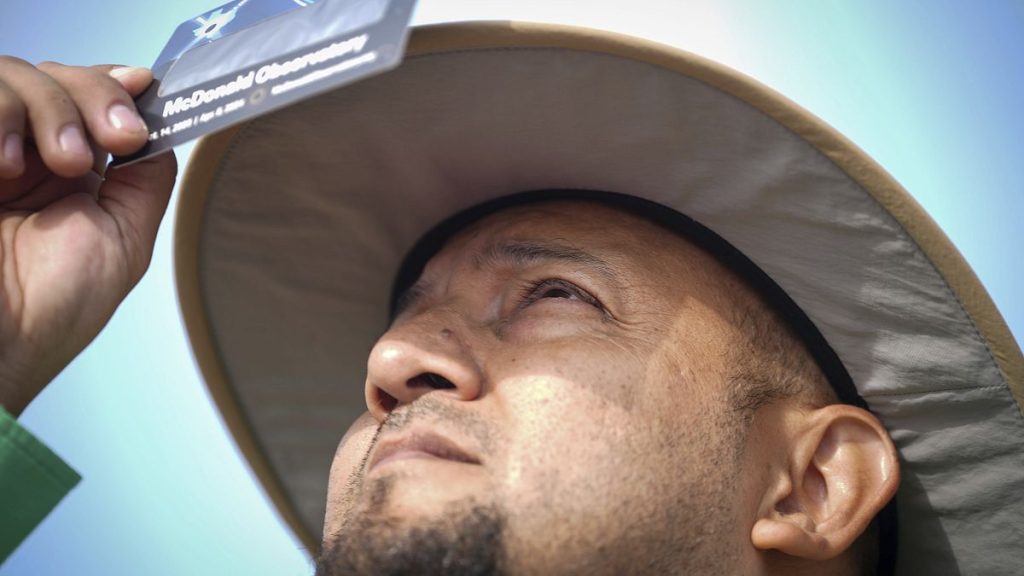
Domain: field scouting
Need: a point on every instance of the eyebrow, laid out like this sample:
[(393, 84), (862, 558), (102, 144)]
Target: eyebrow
[(525, 254), (518, 255)]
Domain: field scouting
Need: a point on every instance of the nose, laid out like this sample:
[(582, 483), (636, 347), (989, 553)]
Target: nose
[(417, 358)]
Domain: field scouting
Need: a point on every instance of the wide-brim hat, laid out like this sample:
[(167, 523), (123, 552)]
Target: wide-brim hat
[(291, 229)]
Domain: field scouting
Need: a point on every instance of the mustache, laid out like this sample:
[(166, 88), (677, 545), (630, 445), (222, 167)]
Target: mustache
[(432, 408)]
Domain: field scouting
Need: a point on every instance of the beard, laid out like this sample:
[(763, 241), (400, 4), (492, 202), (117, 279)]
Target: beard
[(464, 540), (682, 529)]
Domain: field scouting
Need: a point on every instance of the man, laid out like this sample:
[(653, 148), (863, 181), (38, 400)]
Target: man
[(572, 381), (547, 360)]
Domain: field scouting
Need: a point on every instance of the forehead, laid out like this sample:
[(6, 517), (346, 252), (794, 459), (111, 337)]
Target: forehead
[(627, 241)]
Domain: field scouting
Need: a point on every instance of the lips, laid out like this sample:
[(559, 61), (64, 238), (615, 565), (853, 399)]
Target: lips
[(419, 444)]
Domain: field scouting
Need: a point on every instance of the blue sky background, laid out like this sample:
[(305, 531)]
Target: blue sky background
[(932, 90)]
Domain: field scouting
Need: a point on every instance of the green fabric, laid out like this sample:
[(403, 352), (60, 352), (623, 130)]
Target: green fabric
[(32, 481)]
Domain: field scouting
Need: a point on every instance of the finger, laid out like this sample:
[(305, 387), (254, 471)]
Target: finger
[(104, 104), (56, 126), (136, 197), (34, 174), (39, 197), (133, 79), (12, 130)]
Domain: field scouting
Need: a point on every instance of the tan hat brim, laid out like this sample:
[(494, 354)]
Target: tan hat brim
[(291, 228)]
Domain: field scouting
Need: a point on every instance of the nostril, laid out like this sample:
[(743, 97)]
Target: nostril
[(386, 401), (430, 380)]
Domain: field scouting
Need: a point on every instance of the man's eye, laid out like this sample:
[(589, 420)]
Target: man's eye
[(559, 289), (558, 293)]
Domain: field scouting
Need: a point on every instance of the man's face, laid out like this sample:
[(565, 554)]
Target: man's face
[(553, 399)]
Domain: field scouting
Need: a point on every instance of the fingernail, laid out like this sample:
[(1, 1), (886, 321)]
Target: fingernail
[(72, 141), (124, 118), (12, 149), (123, 71)]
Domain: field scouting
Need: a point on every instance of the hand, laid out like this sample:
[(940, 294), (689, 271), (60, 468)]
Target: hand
[(74, 238)]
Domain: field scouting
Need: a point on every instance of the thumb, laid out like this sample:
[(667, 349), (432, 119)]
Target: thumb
[(136, 198)]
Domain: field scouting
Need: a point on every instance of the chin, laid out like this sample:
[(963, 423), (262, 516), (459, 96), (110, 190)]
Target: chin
[(464, 538), (413, 491)]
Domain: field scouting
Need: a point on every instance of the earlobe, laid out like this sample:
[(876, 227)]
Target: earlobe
[(842, 469), (792, 535)]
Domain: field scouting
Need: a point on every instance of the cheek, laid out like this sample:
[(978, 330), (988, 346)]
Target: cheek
[(347, 460), (566, 420), (591, 369), (553, 319), (584, 416), (579, 467)]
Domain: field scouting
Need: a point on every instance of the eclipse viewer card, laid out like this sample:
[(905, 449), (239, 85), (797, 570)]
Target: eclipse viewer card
[(248, 57)]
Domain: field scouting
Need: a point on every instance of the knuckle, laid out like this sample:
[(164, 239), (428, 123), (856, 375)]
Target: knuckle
[(99, 80), (11, 61), (91, 86), (69, 75), (52, 69), (54, 99)]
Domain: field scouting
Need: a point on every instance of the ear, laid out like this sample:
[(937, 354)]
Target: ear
[(842, 469)]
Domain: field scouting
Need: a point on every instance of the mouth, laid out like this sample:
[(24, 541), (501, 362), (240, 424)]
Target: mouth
[(419, 445)]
